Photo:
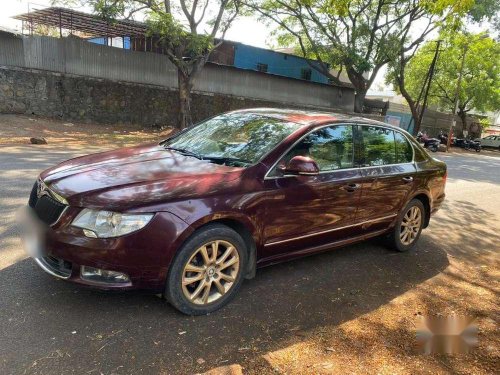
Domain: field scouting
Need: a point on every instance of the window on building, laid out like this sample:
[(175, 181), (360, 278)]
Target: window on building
[(262, 67), (306, 73)]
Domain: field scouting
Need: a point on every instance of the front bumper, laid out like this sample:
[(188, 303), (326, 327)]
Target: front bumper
[(143, 256)]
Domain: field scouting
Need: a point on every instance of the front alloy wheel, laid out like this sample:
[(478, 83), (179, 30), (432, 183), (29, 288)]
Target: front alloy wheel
[(211, 272), (207, 270)]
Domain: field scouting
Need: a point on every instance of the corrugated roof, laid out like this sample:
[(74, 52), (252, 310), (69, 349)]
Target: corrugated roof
[(90, 24)]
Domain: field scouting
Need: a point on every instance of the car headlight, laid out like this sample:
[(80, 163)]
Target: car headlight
[(106, 224)]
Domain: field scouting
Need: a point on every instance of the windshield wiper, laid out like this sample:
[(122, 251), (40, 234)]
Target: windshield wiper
[(184, 152), (226, 159)]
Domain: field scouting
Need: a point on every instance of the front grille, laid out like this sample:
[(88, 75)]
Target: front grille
[(46, 208), (33, 197)]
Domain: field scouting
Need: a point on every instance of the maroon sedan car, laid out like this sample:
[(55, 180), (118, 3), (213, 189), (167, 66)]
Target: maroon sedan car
[(194, 215)]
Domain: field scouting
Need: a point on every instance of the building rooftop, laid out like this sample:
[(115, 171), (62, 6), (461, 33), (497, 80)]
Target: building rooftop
[(92, 25)]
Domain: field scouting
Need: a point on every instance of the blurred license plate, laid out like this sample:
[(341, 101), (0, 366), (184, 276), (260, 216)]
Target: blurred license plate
[(32, 233)]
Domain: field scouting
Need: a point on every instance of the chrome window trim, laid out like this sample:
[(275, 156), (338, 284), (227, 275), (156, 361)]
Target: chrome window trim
[(387, 165), (329, 230), (267, 177)]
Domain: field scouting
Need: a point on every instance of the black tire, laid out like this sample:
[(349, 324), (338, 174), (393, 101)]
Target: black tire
[(394, 237), (173, 288)]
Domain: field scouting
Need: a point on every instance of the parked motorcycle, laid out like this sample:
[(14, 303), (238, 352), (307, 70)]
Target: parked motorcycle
[(443, 138), (430, 143), (467, 144)]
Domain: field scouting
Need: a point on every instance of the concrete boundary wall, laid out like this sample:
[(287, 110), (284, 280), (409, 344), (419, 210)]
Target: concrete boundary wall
[(433, 121), (73, 57)]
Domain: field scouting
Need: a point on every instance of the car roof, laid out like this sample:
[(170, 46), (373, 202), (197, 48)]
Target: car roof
[(309, 118)]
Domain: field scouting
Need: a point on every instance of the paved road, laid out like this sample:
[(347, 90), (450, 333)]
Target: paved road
[(49, 326)]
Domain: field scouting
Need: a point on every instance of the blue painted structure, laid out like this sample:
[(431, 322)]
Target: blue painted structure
[(250, 58), (102, 41), (279, 63)]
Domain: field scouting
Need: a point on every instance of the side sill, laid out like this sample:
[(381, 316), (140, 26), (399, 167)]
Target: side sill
[(317, 249)]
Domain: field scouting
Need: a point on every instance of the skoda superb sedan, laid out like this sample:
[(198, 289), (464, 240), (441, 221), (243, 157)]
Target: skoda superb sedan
[(194, 215)]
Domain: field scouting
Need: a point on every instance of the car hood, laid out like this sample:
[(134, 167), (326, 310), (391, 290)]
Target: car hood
[(136, 176)]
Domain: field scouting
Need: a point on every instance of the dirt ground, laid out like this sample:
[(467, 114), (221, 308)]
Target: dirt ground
[(17, 130), (350, 311)]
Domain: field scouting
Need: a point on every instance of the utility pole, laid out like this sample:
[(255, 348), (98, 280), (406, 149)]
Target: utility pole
[(457, 97), (424, 92), (430, 76)]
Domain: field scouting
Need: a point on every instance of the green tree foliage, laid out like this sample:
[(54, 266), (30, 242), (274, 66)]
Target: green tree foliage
[(486, 10), (480, 86), (359, 36), (176, 24)]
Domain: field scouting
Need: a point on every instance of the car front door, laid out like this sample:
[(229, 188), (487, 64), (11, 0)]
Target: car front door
[(487, 141), (491, 141), (386, 164), (303, 212)]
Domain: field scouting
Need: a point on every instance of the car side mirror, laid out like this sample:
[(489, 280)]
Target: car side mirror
[(301, 166)]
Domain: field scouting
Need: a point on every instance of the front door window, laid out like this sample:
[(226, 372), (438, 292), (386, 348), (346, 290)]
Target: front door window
[(331, 147)]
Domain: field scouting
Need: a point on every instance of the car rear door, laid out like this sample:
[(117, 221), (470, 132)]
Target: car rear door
[(386, 165), (308, 211)]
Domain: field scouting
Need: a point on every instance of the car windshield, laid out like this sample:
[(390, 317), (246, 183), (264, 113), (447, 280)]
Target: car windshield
[(237, 139)]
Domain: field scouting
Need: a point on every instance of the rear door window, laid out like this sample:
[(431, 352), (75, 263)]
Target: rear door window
[(379, 146), (404, 151)]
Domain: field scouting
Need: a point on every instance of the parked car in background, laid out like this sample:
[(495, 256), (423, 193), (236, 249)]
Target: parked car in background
[(194, 215), (490, 141)]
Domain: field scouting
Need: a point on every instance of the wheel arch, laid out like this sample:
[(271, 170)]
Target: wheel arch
[(241, 225), (426, 201)]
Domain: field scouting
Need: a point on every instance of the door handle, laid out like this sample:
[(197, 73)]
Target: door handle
[(351, 187), (408, 179)]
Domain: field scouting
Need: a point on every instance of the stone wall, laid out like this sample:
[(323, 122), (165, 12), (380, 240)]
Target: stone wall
[(76, 80), (84, 99)]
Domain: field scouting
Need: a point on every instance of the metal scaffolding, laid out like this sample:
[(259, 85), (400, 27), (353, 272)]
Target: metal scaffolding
[(74, 21)]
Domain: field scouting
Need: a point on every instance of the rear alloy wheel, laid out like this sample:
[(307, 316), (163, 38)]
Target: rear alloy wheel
[(408, 227), (207, 271)]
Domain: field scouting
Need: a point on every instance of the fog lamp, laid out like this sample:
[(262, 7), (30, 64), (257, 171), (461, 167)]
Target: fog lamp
[(103, 276)]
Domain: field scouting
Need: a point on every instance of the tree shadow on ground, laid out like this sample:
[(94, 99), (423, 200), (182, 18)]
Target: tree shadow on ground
[(50, 326), (139, 331)]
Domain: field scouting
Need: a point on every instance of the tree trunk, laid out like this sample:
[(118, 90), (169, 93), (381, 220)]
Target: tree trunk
[(359, 82), (415, 114), (185, 87), (463, 116), (359, 100)]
